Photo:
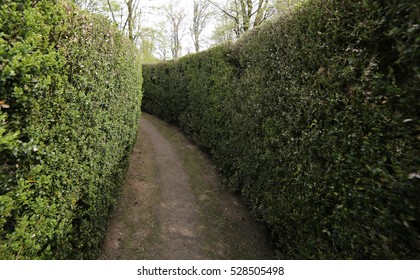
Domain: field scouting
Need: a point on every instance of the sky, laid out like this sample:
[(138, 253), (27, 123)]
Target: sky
[(152, 15)]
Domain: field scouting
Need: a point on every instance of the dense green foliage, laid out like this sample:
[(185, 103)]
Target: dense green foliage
[(70, 95), (314, 118)]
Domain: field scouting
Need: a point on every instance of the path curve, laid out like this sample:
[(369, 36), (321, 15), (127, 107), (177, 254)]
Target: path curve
[(177, 213), (173, 205)]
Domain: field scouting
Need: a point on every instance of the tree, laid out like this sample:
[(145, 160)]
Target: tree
[(149, 40), (285, 6), (245, 14), (128, 11), (201, 18), (111, 9), (89, 5), (132, 16), (175, 17), (223, 32)]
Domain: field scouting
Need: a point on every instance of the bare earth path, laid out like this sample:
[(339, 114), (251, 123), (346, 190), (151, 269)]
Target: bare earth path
[(173, 206)]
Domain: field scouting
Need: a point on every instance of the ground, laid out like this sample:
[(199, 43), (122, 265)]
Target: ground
[(174, 206)]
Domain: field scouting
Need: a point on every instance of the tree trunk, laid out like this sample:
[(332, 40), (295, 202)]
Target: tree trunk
[(196, 26), (112, 11), (130, 20), (262, 7)]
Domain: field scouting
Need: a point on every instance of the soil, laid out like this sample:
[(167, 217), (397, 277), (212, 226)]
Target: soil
[(174, 206)]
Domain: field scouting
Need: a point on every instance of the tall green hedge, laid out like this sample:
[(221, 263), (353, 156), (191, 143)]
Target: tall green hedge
[(70, 92), (314, 118)]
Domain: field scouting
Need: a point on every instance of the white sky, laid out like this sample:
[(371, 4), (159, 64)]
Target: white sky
[(151, 17)]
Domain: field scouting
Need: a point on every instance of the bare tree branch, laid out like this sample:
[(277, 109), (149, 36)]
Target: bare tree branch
[(201, 17), (222, 10), (246, 14), (175, 18), (112, 11)]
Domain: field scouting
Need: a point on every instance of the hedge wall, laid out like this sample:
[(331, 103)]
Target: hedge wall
[(314, 118), (70, 92)]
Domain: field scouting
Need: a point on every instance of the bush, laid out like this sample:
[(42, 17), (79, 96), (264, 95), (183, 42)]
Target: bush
[(314, 119), (70, 84)]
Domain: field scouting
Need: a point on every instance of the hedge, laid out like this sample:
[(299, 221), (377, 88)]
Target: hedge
[(70, 93), (314, 119)]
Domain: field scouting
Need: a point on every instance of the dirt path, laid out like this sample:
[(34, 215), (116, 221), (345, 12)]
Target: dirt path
[(174, 207)]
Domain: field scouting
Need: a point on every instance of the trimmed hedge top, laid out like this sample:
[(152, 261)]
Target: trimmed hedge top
[(314, 118)]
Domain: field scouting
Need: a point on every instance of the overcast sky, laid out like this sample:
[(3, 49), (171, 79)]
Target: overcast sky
[(152, 16)]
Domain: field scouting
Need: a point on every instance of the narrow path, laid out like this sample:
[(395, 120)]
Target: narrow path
[(173, 205)]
